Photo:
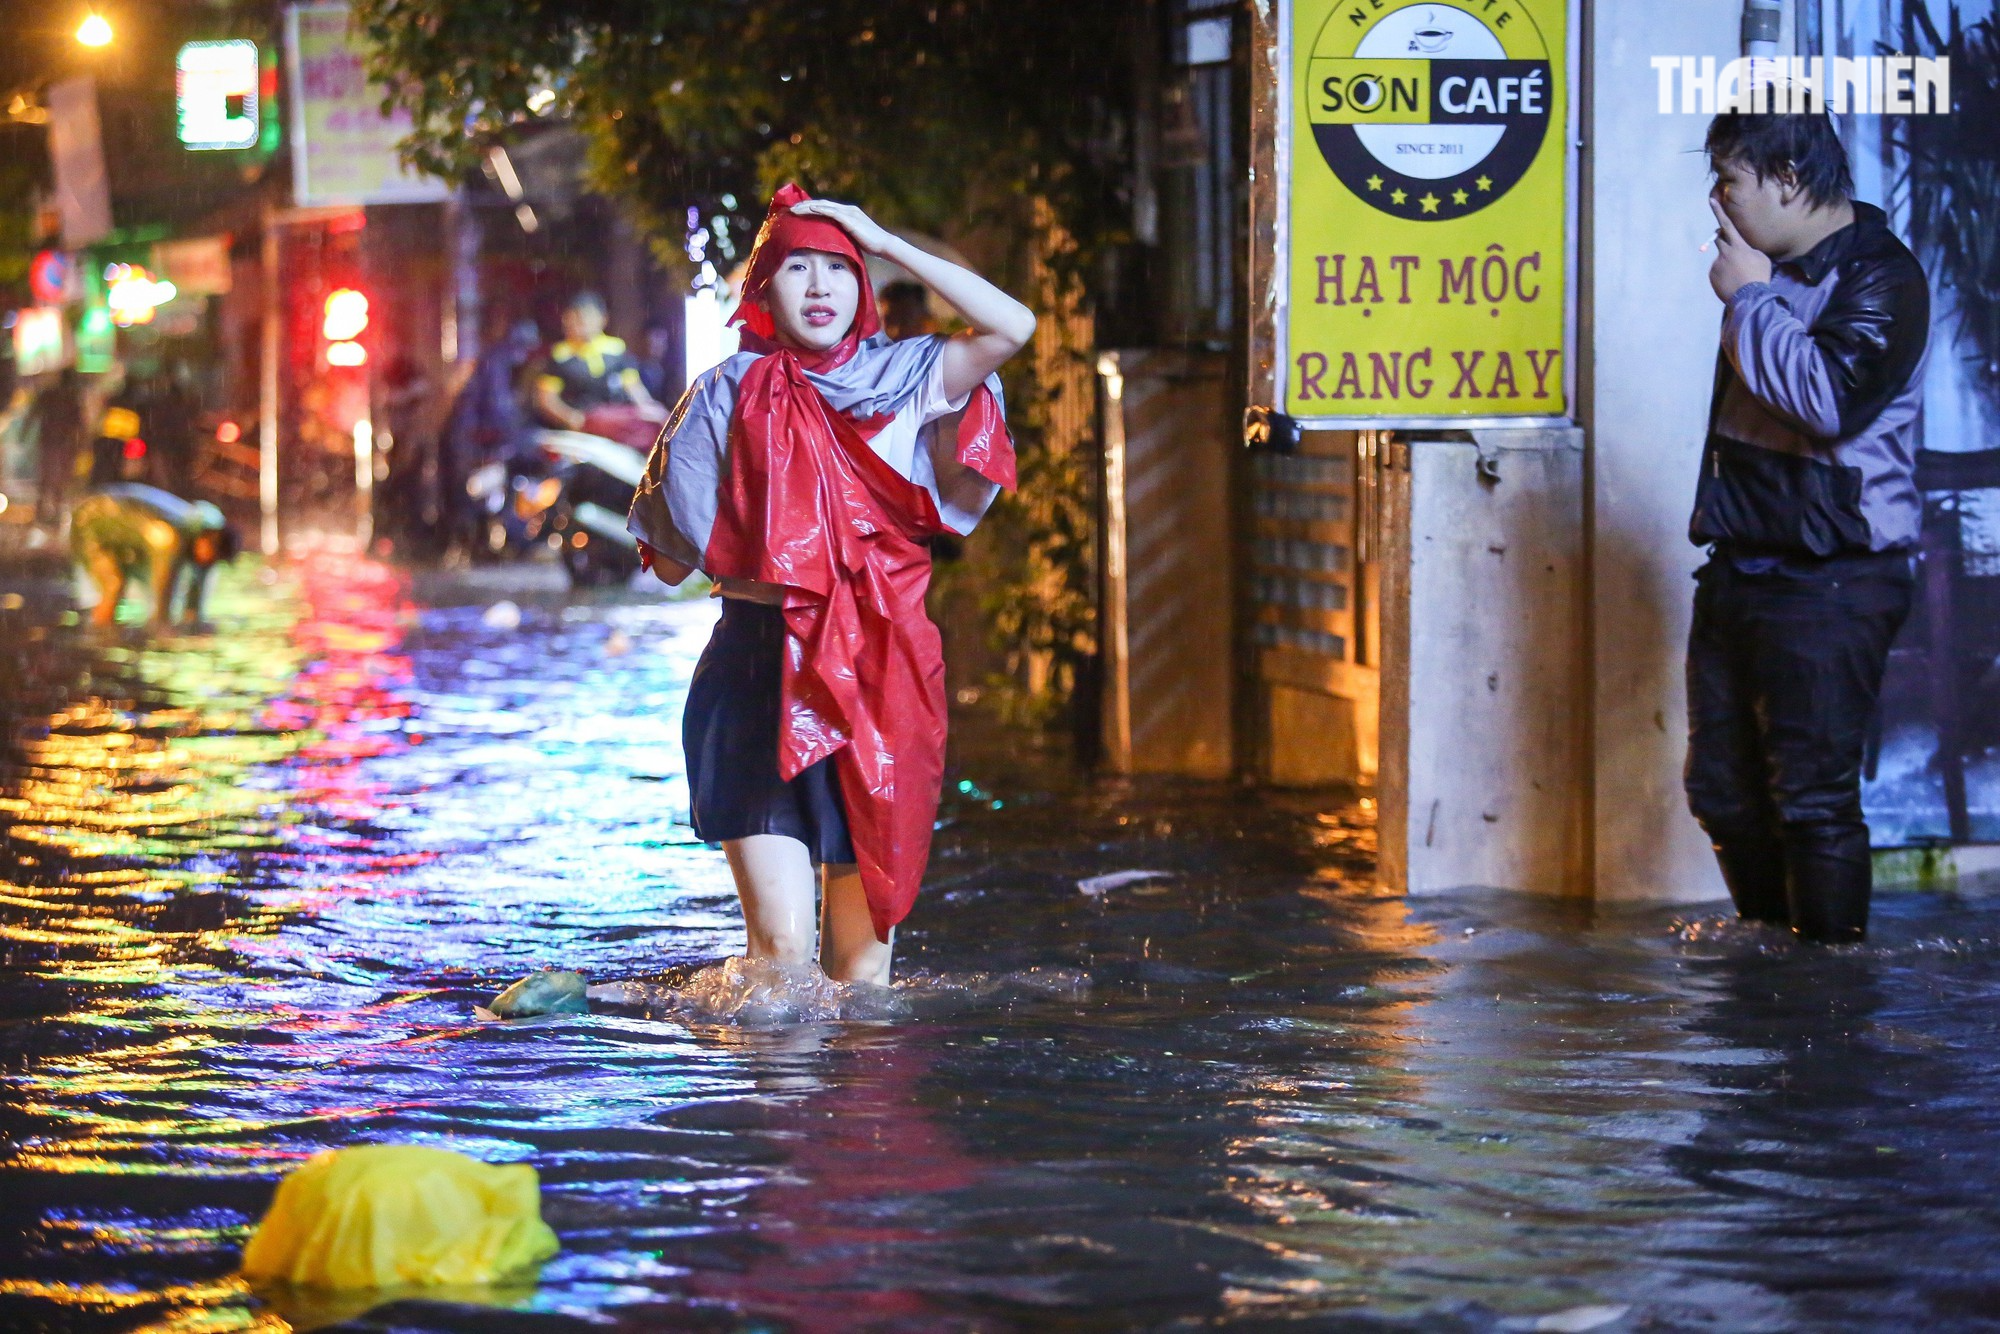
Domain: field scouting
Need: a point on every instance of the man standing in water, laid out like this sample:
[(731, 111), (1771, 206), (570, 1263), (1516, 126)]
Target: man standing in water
[(1808, 503)]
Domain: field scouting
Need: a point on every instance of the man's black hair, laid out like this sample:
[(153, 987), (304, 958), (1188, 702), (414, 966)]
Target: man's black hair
[(586, 301), (1804, 145)]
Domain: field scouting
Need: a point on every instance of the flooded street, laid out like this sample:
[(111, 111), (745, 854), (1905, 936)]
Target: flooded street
[(255, 884)]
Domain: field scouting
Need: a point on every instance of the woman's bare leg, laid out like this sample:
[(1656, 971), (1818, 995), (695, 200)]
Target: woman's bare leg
[(774, 878), (848, 950)]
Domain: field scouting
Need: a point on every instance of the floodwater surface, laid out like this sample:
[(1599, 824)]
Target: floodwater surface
[(256, 883)]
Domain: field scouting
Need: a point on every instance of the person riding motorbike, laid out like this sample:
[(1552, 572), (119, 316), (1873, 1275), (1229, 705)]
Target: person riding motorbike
[(592, 383), (591, 388)]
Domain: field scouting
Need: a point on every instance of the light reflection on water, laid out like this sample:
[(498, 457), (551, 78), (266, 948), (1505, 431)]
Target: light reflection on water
[(255, 883)]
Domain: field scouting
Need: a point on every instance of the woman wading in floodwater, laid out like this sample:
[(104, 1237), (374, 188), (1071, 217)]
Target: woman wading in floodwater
[(804, 476)]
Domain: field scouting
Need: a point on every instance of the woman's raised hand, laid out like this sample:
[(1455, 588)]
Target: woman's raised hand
[(871, 236), (1001, 326)]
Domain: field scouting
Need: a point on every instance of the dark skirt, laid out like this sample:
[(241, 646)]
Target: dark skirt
[(730, 731)]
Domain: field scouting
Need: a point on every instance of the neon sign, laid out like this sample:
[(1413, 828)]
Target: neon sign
[(51, 278), (133, 294), (216, 90), (38, 339)]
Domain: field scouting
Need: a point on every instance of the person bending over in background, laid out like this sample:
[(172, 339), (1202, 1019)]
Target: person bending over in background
[(127, 528)]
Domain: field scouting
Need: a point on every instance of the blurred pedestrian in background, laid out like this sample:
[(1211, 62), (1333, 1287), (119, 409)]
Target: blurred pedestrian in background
[(488, 424), (128, 529), (658, 370), (906, 311), (57, 420), (167, 410)]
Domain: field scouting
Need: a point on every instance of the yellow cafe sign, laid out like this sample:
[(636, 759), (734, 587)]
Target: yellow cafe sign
[(1427, 211)]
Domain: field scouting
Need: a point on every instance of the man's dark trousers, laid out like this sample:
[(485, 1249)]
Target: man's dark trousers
[(1784, 669)]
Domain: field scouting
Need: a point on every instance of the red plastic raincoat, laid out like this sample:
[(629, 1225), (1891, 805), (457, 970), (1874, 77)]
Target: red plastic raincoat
[(807, 504)]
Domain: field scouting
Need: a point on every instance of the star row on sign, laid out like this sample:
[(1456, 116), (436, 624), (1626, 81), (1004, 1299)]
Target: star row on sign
[(1427, 200)]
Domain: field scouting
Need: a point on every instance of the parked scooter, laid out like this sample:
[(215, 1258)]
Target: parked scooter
[(585, 518), (569, 493), (510, 500)]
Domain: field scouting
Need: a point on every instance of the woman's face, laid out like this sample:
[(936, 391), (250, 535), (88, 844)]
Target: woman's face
[(812, 299)]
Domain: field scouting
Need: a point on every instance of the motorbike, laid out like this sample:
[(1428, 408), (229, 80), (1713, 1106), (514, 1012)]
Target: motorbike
[(585, 518), (509, 499), (569, 493)]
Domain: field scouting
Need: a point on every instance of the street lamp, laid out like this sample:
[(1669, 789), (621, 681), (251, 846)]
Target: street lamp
[(95, 30)]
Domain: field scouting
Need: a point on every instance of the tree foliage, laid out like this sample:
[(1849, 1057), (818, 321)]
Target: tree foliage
[(936, 114), (1039, 600), (1002, 117)]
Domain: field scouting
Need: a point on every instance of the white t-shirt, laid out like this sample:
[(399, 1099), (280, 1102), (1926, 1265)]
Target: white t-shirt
[(896, 443)]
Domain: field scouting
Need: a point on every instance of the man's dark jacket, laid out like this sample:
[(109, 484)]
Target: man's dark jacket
[(1812, 434)]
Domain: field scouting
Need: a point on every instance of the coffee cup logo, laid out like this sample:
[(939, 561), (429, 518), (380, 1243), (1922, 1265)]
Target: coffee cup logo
[(1428, 111), (1430, 41)]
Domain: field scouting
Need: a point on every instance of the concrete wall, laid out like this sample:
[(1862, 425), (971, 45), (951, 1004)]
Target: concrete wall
[(1534, 717), (1575, 749), (1648, 341), (1488, 595)]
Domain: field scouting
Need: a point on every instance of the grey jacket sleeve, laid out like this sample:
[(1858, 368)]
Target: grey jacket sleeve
[(1832, 379), (962, 496), (673, 510), (1777, 362)]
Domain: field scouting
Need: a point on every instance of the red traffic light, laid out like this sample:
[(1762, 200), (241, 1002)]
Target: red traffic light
[(346, 319), (346, 315)]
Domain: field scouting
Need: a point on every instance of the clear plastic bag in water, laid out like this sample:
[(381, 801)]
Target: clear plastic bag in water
[(761, 993)]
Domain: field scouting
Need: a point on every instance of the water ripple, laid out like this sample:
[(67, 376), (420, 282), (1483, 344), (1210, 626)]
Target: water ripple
[(256, 884)]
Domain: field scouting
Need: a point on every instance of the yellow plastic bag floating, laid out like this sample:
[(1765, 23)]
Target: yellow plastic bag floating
[(395, 1215)]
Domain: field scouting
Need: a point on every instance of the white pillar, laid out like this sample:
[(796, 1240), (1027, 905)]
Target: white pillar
[(270, 346), (1649, 343)]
